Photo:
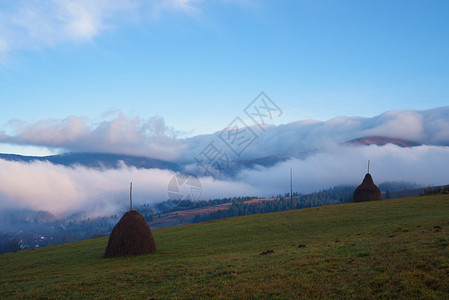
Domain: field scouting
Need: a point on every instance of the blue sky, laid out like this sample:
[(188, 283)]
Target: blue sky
[(197, 64)]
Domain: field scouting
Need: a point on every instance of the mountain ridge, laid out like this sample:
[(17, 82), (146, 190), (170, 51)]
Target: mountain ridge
[(96, 160), (111, 160), (381, 141)]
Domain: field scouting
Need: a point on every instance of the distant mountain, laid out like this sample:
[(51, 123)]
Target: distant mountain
[(111, 161), (267, 161), (381, 141), (96, 160)]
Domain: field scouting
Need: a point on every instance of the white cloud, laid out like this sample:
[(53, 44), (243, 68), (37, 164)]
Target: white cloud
[(426, 165), (408, 125), (425, 127), (63, 190), (66, 190), (32, 25), (118, 134), (186, 5)]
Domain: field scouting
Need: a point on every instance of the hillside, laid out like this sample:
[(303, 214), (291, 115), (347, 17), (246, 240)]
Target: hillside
[(184, 217), (95, 160), (389, 248)]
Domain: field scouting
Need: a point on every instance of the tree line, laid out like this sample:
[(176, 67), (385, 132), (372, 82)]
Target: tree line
[(335, 195)]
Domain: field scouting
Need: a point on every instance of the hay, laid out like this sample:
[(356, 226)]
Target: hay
[(131, 236), (367, 191)]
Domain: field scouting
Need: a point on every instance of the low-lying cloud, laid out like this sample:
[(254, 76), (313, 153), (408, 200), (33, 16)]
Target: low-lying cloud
[(65, 190), (347, 165)]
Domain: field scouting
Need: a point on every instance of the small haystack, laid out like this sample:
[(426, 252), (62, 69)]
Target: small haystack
[(367, 191), (131, 236)]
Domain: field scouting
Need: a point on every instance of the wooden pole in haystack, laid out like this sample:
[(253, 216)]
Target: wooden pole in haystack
[(291, 190), (368, 166), (130, 196)]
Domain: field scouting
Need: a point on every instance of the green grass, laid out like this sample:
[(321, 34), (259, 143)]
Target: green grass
[(385, 249)]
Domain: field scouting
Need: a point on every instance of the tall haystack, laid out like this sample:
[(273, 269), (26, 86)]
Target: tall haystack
[(367, 191), (131, 236)]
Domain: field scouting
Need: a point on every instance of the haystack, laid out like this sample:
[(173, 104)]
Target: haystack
[(367, 191), (131, 236)]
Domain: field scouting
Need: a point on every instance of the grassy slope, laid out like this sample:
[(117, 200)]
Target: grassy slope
[(382, 249)]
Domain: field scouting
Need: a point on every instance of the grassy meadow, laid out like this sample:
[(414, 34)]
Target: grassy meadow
[(383, 249)]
